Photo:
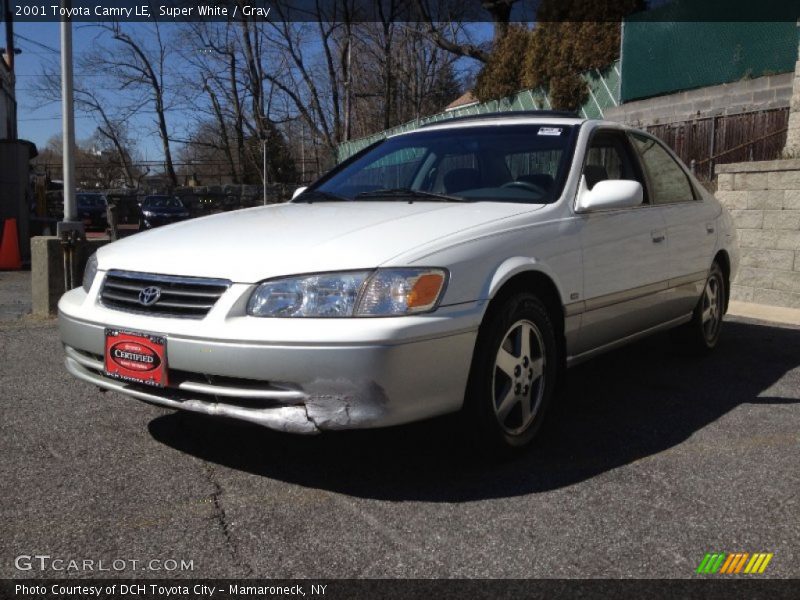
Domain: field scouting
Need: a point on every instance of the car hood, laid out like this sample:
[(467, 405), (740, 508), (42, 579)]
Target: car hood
[(258, 243)]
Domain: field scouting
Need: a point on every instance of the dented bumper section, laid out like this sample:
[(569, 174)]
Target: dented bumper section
[(296, 387), (344, 406)]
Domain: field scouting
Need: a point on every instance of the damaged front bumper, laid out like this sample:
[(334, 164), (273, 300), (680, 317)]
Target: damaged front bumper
[(297, 385)]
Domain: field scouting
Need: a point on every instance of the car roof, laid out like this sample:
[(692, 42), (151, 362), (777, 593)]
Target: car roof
[(506, 118), (534, 117)]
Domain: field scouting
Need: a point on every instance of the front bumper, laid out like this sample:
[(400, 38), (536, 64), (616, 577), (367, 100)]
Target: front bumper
[(296, 375)]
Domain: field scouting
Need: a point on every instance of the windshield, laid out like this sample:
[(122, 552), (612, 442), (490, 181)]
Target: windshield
[(91, 200), (501, 163), (161, 202)]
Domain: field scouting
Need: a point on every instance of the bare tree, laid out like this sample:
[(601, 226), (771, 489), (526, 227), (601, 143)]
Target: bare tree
[(140, 66), (316, 83), (444, 21), (211, 53), (111, 126), (114, 131)]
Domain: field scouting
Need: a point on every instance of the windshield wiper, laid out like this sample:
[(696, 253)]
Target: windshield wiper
[(405, 192), (320, 196)]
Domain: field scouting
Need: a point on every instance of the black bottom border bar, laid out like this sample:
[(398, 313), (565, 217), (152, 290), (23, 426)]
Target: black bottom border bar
[(399, 589)]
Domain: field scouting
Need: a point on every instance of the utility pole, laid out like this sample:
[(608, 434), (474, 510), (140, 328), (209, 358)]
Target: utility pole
[(70, 230), (70, 222)]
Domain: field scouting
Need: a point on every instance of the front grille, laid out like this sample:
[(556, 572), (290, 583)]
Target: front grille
[(187, 297)]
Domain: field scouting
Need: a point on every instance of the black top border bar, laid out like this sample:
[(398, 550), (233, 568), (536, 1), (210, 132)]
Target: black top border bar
[(410, 11)]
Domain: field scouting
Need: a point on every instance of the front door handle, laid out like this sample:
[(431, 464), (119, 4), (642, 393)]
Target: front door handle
[(709, 228), (658, 236)]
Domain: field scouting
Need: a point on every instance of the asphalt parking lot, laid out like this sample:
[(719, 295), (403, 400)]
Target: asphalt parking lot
[(651, 460)]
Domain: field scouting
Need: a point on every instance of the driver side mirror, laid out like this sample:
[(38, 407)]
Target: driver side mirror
[(299, 191), (610, 193)]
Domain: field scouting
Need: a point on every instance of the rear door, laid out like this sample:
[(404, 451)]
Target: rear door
[(690, 222)]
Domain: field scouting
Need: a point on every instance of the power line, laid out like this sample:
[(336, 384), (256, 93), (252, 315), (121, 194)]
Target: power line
[(50, 118), (41, 45)]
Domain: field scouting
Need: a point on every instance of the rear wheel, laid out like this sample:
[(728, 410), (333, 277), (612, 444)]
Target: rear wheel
[(513, 375), (701, 334)]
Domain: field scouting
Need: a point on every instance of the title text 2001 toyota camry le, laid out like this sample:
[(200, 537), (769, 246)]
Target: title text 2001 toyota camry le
[(456, 267)]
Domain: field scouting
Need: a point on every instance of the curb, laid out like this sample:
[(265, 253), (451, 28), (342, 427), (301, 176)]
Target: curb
[(764, 312)]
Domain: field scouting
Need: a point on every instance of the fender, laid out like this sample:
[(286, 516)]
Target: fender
[(521, 264)]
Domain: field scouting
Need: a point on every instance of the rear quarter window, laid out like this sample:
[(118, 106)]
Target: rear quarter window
[(668, 181)]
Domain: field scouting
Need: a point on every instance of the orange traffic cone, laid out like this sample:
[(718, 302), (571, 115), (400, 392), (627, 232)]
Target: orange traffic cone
[(10, 258)]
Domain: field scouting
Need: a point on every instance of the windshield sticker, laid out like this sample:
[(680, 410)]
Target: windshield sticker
[(550, 130)]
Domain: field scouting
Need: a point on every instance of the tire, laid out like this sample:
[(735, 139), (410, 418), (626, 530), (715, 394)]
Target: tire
[(510, 389), (701, 334)]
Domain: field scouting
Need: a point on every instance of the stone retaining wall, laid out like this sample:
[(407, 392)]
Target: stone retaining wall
[(761, 93), (764, 200)]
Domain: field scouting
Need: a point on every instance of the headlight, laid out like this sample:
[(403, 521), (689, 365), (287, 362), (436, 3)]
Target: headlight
[(385, 292), (147, 213), (401, 292), (89, 272)]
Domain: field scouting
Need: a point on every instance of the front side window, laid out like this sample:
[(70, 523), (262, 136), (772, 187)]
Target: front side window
[(668, 182), (609, 157), (498, 163)]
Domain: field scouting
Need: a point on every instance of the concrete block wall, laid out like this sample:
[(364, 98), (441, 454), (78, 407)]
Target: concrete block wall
[(760, 93), (792, 148), (47, 271), (764, 200)]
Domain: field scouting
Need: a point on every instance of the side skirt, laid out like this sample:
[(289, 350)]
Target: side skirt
[(574, 360)]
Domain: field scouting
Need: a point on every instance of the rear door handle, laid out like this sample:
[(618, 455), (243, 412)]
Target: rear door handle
[(709, 228), (658, 236)]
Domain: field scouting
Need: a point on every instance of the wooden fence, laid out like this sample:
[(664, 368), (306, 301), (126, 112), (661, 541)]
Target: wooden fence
[(706, 142)]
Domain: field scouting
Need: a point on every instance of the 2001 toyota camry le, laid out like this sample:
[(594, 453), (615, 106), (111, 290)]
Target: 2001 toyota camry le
[(459, 267)]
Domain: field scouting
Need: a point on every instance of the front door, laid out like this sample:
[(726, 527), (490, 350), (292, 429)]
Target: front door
[(625, 257)]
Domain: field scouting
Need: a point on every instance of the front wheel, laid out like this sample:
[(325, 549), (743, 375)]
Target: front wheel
[(514, 373)]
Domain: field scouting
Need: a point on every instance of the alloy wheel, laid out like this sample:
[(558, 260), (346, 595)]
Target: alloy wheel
[(712, 307), (518, 381)]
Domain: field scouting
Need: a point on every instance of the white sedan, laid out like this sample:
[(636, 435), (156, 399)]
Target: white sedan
[(459, 267)]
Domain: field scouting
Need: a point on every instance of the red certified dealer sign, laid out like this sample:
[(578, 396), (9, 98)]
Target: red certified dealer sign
[(136, 357)]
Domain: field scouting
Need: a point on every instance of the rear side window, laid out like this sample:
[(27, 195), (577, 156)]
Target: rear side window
[(668, 182)]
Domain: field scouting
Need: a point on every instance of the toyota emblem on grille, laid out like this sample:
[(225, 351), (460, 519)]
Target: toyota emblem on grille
[(149, 296)]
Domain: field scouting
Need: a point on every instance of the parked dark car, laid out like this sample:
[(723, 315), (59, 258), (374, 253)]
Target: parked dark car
[(92, 210), (161, 210)]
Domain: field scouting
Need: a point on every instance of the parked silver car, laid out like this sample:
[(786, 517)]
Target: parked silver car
[(459, 267)]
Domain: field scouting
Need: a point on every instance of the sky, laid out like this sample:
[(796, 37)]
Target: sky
[(39, 122)]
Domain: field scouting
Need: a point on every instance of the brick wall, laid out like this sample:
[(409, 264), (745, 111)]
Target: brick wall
[(764, 200)]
